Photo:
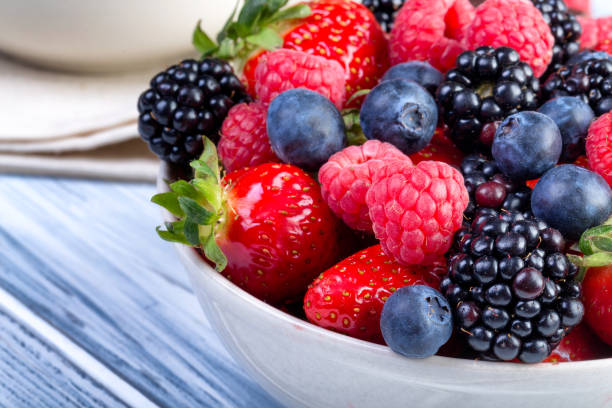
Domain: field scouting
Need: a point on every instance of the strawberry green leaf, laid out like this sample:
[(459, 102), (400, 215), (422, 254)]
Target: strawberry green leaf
[(586, 240), (210, 189), (251, 12), (222, 34), (202, 42), (195, 212), (202, 169), (173, 233), (192, 232), (266, 38), (209, 157), (183, 188), (214, 253), (603, 243), (290, 13), (597, 259), (170, 202)]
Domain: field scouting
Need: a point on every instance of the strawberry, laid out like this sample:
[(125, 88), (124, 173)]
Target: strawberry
[(340, 30), (579, 345), (349, 297), (597, 289), (596, 264), (267, 228), (441, 148)]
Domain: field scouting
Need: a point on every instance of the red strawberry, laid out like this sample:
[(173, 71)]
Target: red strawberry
[(579, 345), (267, 228), (597, 292), (441, 148), (340, 30), (349, 297)]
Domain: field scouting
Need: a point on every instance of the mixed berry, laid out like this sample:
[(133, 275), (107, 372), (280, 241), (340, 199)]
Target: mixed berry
[(415, 173)]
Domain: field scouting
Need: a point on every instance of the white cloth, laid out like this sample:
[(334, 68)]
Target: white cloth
[(72, 124)]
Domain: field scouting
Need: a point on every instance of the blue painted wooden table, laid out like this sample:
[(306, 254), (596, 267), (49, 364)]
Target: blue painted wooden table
[(96, 311)]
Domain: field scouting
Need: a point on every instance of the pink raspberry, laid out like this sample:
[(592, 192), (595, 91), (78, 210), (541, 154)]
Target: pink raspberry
[(579, 6), (416, 210), (516, 24), (596, 33), (347, 176), (430, 30), (590, 33), (599, 147), (281, 70), (244, 139)]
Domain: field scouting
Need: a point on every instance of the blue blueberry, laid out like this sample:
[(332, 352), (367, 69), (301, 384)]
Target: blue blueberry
[(572, 199), (418, 71), (587, 56), (573, 116), (305, 128), (400, 112), (416, 321), (526, 144)]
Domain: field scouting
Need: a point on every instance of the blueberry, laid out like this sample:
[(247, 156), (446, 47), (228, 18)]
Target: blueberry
[(572, 199), (416, 321), (418, 71), (305, 128), (573, 116), (527, 144), (400, 112), (587, 56)]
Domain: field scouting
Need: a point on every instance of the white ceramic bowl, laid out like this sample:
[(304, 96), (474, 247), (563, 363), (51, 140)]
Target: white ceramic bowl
[(303, 365), (105, 35)]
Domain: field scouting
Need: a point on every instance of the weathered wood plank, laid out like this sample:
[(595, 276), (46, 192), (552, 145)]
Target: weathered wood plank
[(84, 256), (34, 374)]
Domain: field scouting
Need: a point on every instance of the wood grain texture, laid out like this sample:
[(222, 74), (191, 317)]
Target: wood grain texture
[(34, 374), (84, 256)]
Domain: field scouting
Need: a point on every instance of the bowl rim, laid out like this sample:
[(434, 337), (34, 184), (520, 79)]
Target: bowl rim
[(192, 255)]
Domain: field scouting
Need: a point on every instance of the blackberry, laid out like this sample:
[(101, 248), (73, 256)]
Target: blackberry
[(486, 86), (384, 11), (512, 291), (565, 28), (184, 102), (489, 188), (590, 80)]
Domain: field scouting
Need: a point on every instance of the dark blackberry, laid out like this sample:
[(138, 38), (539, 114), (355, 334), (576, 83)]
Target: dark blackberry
[(511, 297), (590, 80), (184, 103), (489, 188), (384, 11), (565, 28), (486, 86)]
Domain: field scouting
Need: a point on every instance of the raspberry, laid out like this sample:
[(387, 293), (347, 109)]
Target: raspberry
[(579, 6), (415, 210), (516, 24), (282, 70), (430, 30), (590, 33), (347, 176), (244, 139), (598, 33), (599, 147)]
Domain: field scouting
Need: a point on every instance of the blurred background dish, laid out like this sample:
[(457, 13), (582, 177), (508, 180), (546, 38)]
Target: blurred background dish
[(111, 35)]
